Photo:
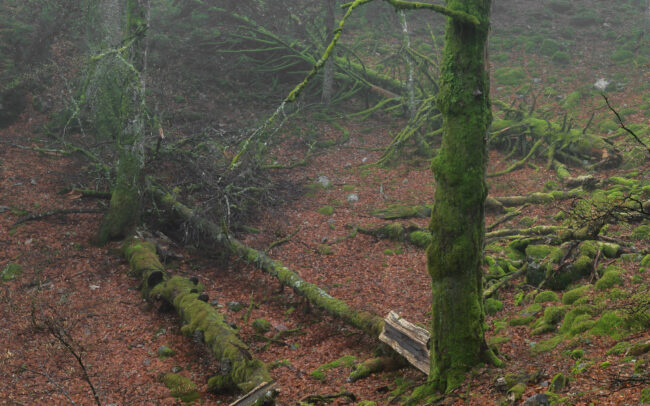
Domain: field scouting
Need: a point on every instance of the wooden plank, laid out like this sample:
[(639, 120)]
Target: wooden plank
[(408, 340), (253, 396)]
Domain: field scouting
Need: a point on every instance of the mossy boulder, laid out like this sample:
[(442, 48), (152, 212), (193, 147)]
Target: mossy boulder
[(181, 387), (577, 316), (610, 324), (611, 277), (546, 296), (574, 294), (493, 306), (559, 382), (554, 314), (420, 239)]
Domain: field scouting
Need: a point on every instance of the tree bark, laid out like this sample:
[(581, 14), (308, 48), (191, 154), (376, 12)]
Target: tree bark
[(458, 217), (124, 210), (328, 72)]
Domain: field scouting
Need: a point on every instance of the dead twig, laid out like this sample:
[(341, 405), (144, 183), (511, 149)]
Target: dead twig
[(58, 212), (620, 121)]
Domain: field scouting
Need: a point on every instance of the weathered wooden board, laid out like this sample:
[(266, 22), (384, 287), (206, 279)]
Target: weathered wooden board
[(253, 396), (408, 340)]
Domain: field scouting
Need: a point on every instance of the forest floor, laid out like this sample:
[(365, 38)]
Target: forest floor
[(71, 299)]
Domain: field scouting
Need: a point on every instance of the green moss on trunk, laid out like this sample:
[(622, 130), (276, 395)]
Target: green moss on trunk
[(457, 220)]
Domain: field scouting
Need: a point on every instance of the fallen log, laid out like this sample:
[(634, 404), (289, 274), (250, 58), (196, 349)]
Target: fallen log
[(493, 203), (367, 322), (238, 366)]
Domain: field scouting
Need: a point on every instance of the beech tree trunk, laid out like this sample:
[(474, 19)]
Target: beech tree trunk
[(124, 210), (457, 219)]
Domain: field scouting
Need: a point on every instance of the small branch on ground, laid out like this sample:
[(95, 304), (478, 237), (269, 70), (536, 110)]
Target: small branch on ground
[(58, 212)]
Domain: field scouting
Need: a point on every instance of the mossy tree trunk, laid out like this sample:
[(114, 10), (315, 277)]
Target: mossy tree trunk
[(457, 219), (124, 210)]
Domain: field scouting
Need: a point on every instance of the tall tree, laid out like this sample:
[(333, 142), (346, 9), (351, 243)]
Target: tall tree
[(124, 210), (457, 221)]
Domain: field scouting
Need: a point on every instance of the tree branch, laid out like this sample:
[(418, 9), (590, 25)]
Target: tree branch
[(459, 16), (620, 121)]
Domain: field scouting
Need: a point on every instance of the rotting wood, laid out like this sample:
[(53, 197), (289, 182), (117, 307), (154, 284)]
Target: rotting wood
[(263, 390), (408, 340), (201, 319)]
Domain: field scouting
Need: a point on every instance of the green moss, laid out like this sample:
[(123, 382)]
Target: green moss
[(519, 298), (420, 239), (575, 315), (165, 352), (559, 382), (610, 278), (532, 310), (588, 248), (517, 391), (366, 403), (493, 306), (346, 361), (326, 210), (609, 324), (521, 321), (538, 252), (645, 396), (398, 211), (546, 296), (642, 232), (608, 125), (572, 100), (574, 294), (221, 384), (610, 250), (554, 314), (548, 47), (546, 345), (261, 326), (578, 353), (181, 387), (10, 272), (622, 56), (325, 249), (645, 262), (510, 76), (619, 348)]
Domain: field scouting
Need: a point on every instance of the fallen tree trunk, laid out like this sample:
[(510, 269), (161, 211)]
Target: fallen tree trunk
[(238, 366), (369, 323), (498, 203)]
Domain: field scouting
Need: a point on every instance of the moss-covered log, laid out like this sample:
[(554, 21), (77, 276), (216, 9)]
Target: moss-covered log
[(397, 232), (494, 203), (201, 319), (369, 323)]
